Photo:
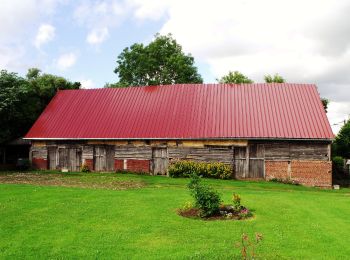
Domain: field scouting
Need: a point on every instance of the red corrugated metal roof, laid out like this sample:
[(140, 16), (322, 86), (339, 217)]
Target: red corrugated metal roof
[(286, 111)]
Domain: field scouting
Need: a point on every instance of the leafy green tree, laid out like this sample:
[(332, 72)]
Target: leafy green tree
[(234, 78), (159, 63), (23, 99), (325, 103), (274, 79), (341, 144), (13, 90)]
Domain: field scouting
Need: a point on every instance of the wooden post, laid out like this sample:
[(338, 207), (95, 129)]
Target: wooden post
[(246, 171), (233, 163)]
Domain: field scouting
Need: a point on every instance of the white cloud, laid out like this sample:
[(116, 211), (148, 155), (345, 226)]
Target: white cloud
[(87, 83), (99, 17), (46, 33), (19, 22), (304, 41), (66, 61), (337, 113), (97, 36)]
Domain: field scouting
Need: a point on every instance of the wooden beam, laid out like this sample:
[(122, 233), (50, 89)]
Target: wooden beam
[(246, 170)]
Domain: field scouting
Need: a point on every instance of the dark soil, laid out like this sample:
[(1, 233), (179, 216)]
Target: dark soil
[(195, 213)]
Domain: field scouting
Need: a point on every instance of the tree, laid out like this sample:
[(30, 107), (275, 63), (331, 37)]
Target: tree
[(341, 144), (23, 99), (159, 63), (274, 79), (13, 90), (235, 78), (325, 103)]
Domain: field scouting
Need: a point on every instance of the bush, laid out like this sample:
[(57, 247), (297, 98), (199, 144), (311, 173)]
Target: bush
[(215, 170), (85, 168), (207, 200), (338, 162)]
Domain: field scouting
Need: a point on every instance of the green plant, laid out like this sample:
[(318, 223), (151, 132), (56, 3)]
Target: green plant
[(236, 199), (85, 168), (215, 170), (206, 199), (248, 246), (338, 162)]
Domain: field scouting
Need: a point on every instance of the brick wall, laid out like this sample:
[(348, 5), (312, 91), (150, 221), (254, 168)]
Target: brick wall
[(118, 165), (138, 165), (39, 164), (312, 173), (90, 164), (276, 169), (309, 173)]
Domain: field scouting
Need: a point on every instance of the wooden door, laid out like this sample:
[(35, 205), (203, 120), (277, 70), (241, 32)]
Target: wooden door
[(99, 158), (74, 159), (104, 158), (160, 160), (69, 158), (256, 161), (62, 158), (52, 154), (239, 162)]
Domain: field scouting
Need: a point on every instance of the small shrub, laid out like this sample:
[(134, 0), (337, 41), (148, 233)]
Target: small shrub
[(85, 168), (206, 199), (236, 199), (244, 213), (187, 206), (338, 162), (215, 170)]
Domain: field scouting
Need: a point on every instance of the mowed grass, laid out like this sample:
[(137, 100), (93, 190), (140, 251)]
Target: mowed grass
[(50, 222)]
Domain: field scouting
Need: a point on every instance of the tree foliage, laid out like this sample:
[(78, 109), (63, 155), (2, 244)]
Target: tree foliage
[(325, 103), (274, 79), (160, 62), (341, 144), (23, 99), (234, 78)]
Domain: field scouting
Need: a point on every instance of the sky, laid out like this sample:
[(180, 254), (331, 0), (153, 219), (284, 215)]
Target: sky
[(305, 41)]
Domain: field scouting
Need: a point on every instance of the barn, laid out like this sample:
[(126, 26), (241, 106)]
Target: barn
[(263, 131)]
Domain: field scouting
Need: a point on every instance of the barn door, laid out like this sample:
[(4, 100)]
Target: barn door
[(62, 158), (69, 158), (239, 162), (74, 159), (104, 158), (256, 161), (52, 153), (160, 160)]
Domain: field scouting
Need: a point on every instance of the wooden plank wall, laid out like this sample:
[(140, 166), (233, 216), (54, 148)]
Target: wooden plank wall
[(296, 151), (207, 154), (258, 150)]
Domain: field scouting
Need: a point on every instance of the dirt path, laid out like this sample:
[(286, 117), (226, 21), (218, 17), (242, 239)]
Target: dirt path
[(85, 181)]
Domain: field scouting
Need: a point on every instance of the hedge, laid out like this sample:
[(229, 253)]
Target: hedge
[(215, 170)]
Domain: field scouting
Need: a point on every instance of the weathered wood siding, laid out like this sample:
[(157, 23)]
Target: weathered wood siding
[(296, 150), (206, 154), (248, 161)]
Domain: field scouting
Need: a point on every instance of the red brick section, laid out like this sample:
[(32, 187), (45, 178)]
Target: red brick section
[(39, 164), (309, 173), (276, 169), (118, 165), (312, 173), (138, 165), (90, 164)]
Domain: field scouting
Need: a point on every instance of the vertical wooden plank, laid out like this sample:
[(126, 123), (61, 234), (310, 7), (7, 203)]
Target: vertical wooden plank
[(246, 170), (52, 157)]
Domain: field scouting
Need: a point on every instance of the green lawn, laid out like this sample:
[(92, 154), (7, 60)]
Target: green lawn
[(141, 222)]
